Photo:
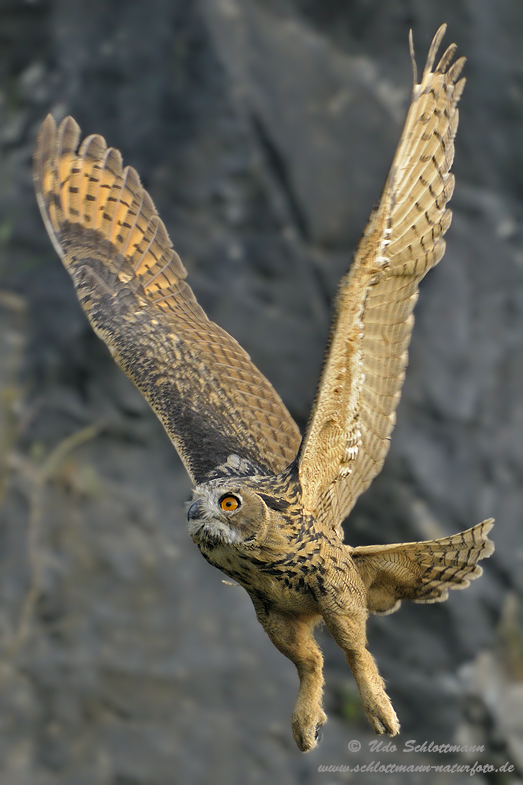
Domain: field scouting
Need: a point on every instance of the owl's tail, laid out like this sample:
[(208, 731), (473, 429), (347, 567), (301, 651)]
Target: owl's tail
[(421, 571)]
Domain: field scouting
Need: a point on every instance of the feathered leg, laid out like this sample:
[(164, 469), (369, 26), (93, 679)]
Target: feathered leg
[(349, 632), (293, 635)]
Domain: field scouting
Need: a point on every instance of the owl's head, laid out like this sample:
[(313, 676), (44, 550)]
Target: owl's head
[(229, 512)]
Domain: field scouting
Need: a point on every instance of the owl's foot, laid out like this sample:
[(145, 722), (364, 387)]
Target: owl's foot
[(381, 714), (306, 727), (375, 700)]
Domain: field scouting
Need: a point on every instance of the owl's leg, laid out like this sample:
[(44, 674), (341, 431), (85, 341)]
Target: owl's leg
[(349, 632), (293, 636)]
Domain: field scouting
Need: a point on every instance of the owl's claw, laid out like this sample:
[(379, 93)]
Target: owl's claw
[(382, 716), (385, 724)]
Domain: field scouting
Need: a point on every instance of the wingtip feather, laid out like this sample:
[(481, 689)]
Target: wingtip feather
[(44, 161), (68, 136), (436, 42)]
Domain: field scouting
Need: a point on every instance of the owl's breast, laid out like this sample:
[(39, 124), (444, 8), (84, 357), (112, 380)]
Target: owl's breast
[(292, 581)]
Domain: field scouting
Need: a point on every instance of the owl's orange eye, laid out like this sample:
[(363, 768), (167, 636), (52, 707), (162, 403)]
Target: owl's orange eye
[(229, 503)]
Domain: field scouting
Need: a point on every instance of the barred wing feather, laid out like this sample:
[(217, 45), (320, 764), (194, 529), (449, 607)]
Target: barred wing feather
[(130, 282), (347, 438)]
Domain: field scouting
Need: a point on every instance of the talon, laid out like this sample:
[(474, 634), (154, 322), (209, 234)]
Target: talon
[(383, 724)]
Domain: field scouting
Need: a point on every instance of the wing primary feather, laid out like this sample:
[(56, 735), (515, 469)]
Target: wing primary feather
[(91, 151), (45, 176), (435, 45), (154, 224), (413, 60)]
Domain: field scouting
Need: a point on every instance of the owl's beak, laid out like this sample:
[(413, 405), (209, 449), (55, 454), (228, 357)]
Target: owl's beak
[(195, 512)]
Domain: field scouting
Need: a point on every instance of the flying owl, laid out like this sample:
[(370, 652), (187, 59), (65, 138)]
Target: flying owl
[(268, 504)]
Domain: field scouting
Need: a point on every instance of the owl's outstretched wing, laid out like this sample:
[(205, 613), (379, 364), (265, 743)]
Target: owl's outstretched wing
[(202, 385), (347, 438)]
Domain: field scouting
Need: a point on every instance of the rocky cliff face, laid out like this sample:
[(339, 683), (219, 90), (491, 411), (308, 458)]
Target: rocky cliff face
[(264, 130)]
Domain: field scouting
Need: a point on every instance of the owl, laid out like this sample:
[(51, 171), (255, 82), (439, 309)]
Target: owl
[(268, 504)]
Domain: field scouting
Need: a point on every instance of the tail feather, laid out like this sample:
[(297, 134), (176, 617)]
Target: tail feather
[(421, 571)]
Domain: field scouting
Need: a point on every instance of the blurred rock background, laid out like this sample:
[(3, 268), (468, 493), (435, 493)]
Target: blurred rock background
[(264, 130)]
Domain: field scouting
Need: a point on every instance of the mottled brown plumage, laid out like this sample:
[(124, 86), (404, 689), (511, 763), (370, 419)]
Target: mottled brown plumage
[(267, 507)]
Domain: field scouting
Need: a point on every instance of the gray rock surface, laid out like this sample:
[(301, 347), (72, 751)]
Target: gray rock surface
[(263, 130)]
